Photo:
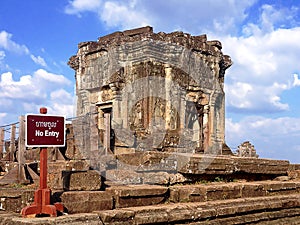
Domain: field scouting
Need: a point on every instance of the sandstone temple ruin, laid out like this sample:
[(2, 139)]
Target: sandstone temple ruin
[(153, 90), (147, 145)]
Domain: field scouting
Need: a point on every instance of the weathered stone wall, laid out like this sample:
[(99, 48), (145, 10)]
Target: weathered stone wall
[(161, 90)]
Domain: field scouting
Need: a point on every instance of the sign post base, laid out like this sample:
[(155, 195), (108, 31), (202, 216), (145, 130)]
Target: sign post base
[(39, 207)]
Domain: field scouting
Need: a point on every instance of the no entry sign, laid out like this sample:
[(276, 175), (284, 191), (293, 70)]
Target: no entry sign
[(45, 130)]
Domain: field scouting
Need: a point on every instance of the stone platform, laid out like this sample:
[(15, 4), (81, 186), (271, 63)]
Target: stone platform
[(200, 163), (170, 188), (141, 167), (261, 202)]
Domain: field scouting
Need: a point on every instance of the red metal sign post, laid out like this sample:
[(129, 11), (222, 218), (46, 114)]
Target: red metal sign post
[(42, 203)]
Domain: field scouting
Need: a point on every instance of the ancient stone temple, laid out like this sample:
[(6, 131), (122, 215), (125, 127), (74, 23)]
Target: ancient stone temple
[(153, 91), (147, 145)]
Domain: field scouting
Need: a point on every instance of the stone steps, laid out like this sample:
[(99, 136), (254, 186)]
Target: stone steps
[(280, 209), (237, 211), (260, 202), (117, 197)]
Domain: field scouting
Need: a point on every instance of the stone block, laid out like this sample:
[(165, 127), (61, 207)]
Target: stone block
[(151, 215), (189, 193), (54, 177), (81, 180), (227, 165), (148, 161), (262, 166), (13, 200), (162, 178), (122, 150), (281, 188), (138, 195), (119, 177), (249, 190), (120, 216), (79, 219), (222, 192), (294, 174), (86, 201), (181, 212)]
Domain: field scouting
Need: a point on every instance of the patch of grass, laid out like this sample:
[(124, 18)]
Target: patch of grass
[(218, 179)]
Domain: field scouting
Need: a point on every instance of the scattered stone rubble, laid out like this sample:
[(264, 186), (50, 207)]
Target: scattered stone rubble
[(246, 149)]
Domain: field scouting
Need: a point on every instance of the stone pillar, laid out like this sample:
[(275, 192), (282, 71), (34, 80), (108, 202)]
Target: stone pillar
[(107, 132), (12, 142), (101, 125), (1, 142), (206, 128), (94, 137), (200, 121), (21, 149), (104, 123), (124, 112), (182, 109), (222, 122), (168, 88), (116, 98)]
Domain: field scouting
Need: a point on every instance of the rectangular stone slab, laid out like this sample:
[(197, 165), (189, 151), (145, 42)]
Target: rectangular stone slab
[(196, 164)]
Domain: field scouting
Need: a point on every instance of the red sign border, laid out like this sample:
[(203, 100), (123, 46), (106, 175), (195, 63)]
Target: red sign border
[(48, 115)]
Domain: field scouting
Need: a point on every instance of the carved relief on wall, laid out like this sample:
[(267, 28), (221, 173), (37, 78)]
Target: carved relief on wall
[(106, 94), (151, 117), (141, 118), (137, 116)]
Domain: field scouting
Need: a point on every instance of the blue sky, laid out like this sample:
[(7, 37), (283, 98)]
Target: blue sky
[(262, 37)]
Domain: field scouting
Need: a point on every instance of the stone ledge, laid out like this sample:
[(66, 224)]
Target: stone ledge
[(208, 211), (224, 165), (144, 195), (78, 219), (199, 164), (238, 211), (222, 191)]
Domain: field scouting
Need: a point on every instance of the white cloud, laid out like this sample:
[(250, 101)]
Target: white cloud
[(116, 14), (44, 76), (271, 18), (296, 80), (31, 89), (239, 93), (22, 89), (9, 45), (38, 60), (61, 109), (61, 96), (255, 98), (191, 15), (78, 6), (264, 62)]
